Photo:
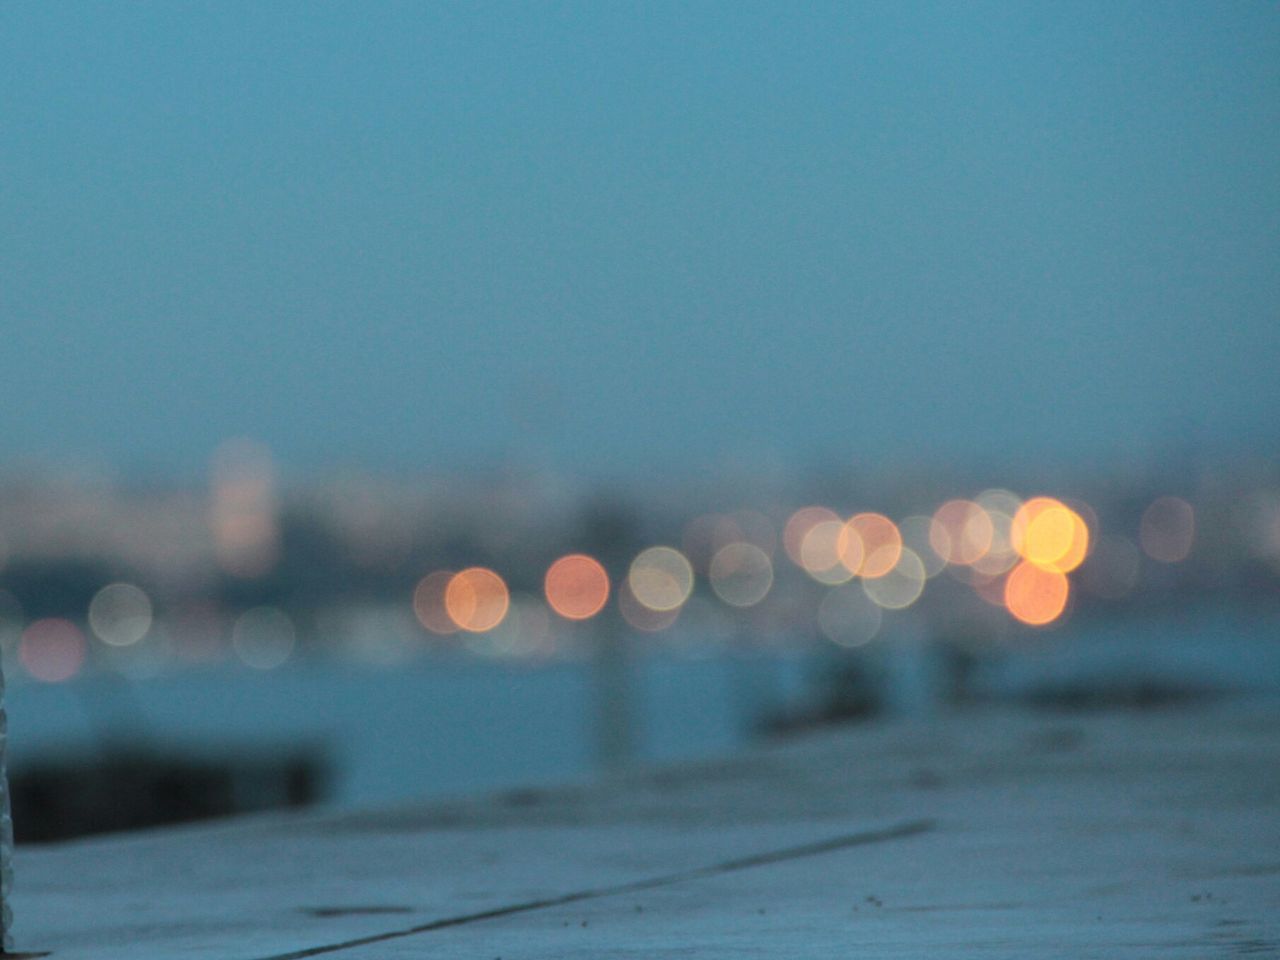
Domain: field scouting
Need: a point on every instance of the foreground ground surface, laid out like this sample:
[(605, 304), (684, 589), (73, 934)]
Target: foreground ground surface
[(980, 834)]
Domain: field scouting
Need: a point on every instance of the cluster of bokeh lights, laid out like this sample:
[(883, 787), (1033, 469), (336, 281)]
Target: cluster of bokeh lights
[(1015, 554), (1018, 555)]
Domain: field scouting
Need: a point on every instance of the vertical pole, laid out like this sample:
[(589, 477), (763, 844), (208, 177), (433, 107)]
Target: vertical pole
[(615, 740), (6, 835)]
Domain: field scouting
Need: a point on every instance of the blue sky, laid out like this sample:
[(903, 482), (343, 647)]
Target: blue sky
[(637, 235)]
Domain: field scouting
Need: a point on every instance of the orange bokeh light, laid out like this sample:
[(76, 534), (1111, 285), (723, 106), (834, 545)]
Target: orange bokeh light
[(1050, 534), (1036, 595), (577, 587), (476, 599), (870, 545)]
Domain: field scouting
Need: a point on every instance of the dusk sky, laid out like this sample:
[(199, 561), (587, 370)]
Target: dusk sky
[(637, 235)]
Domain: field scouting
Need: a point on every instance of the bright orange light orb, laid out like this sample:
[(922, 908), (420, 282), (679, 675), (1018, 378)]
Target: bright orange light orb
[(880, 543), (1050, 534), (476, 599), (1036, 595), (577, 587)]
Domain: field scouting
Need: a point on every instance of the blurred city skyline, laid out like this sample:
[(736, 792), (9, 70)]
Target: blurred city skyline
[(615, 240)]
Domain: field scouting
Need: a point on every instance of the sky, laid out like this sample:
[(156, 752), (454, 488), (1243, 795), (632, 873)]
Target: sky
[(637, 236)]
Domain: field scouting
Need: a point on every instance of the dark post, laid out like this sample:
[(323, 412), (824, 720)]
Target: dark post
[(615, 741), (6, 835)]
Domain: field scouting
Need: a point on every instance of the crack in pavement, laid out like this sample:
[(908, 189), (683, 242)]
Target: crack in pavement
[(907, 829)]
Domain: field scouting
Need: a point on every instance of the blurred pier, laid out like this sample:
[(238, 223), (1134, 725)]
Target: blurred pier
[(1117, 833)]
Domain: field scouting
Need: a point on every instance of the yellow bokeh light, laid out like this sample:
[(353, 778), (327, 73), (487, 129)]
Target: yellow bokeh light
[(476, 599), (576, 587), (1036, 595), (661, 578), (1049, 534), (878, 545), (1079, 549), (741, 574)]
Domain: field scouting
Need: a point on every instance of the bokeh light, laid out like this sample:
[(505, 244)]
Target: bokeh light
[(1001, 557), (576, 587), (1001, 507), (1048, 533), (1034, 594), (120, 614), (661, 578), (263, 637), (1168, 529), (428, 603), (741, 574), (901, 586), (52, 650), (1081, 541), (797, 528), (476, 599), (870, 545), (962, 532), (820, 552)]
